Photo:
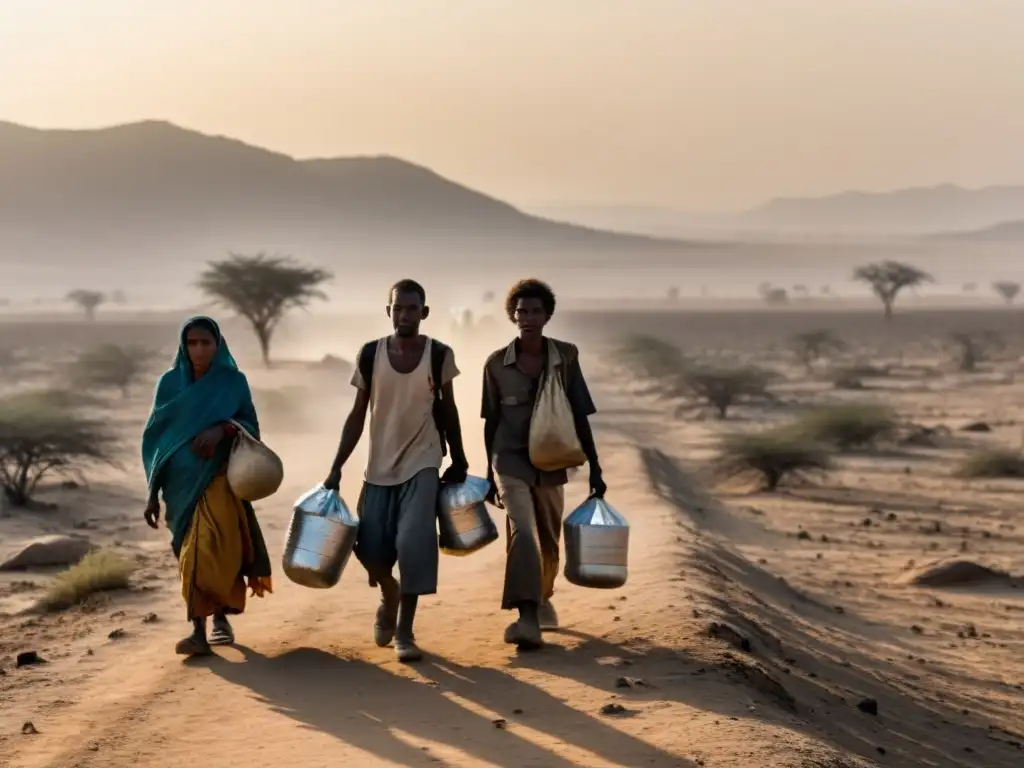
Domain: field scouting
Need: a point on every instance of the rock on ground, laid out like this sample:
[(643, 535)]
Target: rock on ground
[(48, 551)]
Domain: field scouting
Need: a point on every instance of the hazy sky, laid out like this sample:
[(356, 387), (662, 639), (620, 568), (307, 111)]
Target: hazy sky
[(700, 104)]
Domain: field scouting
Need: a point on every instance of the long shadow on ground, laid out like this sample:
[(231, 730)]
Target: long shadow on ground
[(360, 703)]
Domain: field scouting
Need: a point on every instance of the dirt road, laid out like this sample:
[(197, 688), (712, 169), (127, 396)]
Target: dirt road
[(780, 687)]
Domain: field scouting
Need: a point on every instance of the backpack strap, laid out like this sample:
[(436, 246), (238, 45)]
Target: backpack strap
[(438, 353), (367, 356)]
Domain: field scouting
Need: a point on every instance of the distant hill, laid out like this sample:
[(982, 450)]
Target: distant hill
[(133, 195), (908, 211), (1004, 232), (917, 211)]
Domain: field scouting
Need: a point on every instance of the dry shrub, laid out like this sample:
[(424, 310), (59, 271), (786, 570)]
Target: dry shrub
[(111, 366), (850, 425), (99, 571), (852, 376), (994, 463), (772, 456), (814, 345), (650, 358), (41, 433), (973, 347), (722, 388)]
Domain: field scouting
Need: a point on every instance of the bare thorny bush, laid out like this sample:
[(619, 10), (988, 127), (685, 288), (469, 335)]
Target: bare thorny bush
[(669, 374), (973, 347), (812, 346), (110, 366), (42, 435)]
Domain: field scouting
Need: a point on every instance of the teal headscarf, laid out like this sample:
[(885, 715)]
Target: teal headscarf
[(182, 408)]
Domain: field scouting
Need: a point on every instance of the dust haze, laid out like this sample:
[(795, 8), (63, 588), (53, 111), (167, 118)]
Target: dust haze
[(799, 318)]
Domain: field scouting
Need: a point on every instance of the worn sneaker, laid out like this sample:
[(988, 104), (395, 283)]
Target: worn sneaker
[(407, 651), (385, 623), (547, 616), (524, 635)]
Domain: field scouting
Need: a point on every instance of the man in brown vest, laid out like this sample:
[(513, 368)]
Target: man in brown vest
[(533, 500)]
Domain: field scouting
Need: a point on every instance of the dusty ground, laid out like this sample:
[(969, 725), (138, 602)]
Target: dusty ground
[(809, 578)]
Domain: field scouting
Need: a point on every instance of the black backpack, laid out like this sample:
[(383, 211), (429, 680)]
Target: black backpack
[(438, 352)]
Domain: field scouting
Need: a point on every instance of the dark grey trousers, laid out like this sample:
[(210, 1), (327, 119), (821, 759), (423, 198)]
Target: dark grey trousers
[(398, 525)]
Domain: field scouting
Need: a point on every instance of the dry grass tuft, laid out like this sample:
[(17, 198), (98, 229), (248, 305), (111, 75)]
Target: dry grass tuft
[(994, 463), (771, 456), (849, 426), (99, 571)]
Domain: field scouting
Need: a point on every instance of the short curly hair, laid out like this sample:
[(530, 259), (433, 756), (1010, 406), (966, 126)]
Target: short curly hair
[(531, 288)]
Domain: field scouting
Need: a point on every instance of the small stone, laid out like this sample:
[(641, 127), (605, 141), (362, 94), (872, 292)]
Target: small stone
[(729, 635), (613, 709), (976, 426), (499, 723), (149, 618), (868, 707), (28, 659), (631, 682), (880, 750), (28, 729), (517, 711), (916, 629), (116, 634), (803, 536)]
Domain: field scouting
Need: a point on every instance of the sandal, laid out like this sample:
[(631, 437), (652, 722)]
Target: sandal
[(222, 633), (193, 646)]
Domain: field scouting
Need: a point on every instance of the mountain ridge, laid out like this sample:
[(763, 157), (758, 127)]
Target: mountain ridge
[(155, 188)]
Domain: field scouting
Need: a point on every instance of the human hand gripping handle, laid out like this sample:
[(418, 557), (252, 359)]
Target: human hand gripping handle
[(597, 484), (333, 481), (493, 497), (456, 473), (205, 443)]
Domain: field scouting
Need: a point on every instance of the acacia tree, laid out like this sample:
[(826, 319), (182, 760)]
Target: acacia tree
[(262, 289), (888, 278), (1008, 289), (87, 301)]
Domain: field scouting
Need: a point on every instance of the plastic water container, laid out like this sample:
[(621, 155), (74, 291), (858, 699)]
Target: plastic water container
[(321, 537), (463, 522), (596, 546)]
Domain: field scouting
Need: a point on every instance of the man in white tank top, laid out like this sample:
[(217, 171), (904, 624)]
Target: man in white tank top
[(405, 381)]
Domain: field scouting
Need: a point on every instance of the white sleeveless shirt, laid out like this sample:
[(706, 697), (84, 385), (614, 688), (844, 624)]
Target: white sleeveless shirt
[(403, 437)]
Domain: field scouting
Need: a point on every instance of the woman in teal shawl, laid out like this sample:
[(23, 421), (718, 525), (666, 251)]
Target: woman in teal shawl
[(185, 446)]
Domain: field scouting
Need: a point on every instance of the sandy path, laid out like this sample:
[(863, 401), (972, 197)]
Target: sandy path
[(308, 687)]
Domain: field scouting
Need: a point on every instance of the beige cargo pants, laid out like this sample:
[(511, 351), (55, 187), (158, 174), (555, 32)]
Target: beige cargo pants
[(533, 523)]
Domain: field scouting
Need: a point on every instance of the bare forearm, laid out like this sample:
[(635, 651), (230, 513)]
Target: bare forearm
[(350, 436), (490, 430), (453, 434), (586, 438)]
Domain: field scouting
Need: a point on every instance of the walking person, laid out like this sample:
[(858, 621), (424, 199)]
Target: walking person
[(185, 445), (533, 500), (405, 381)]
